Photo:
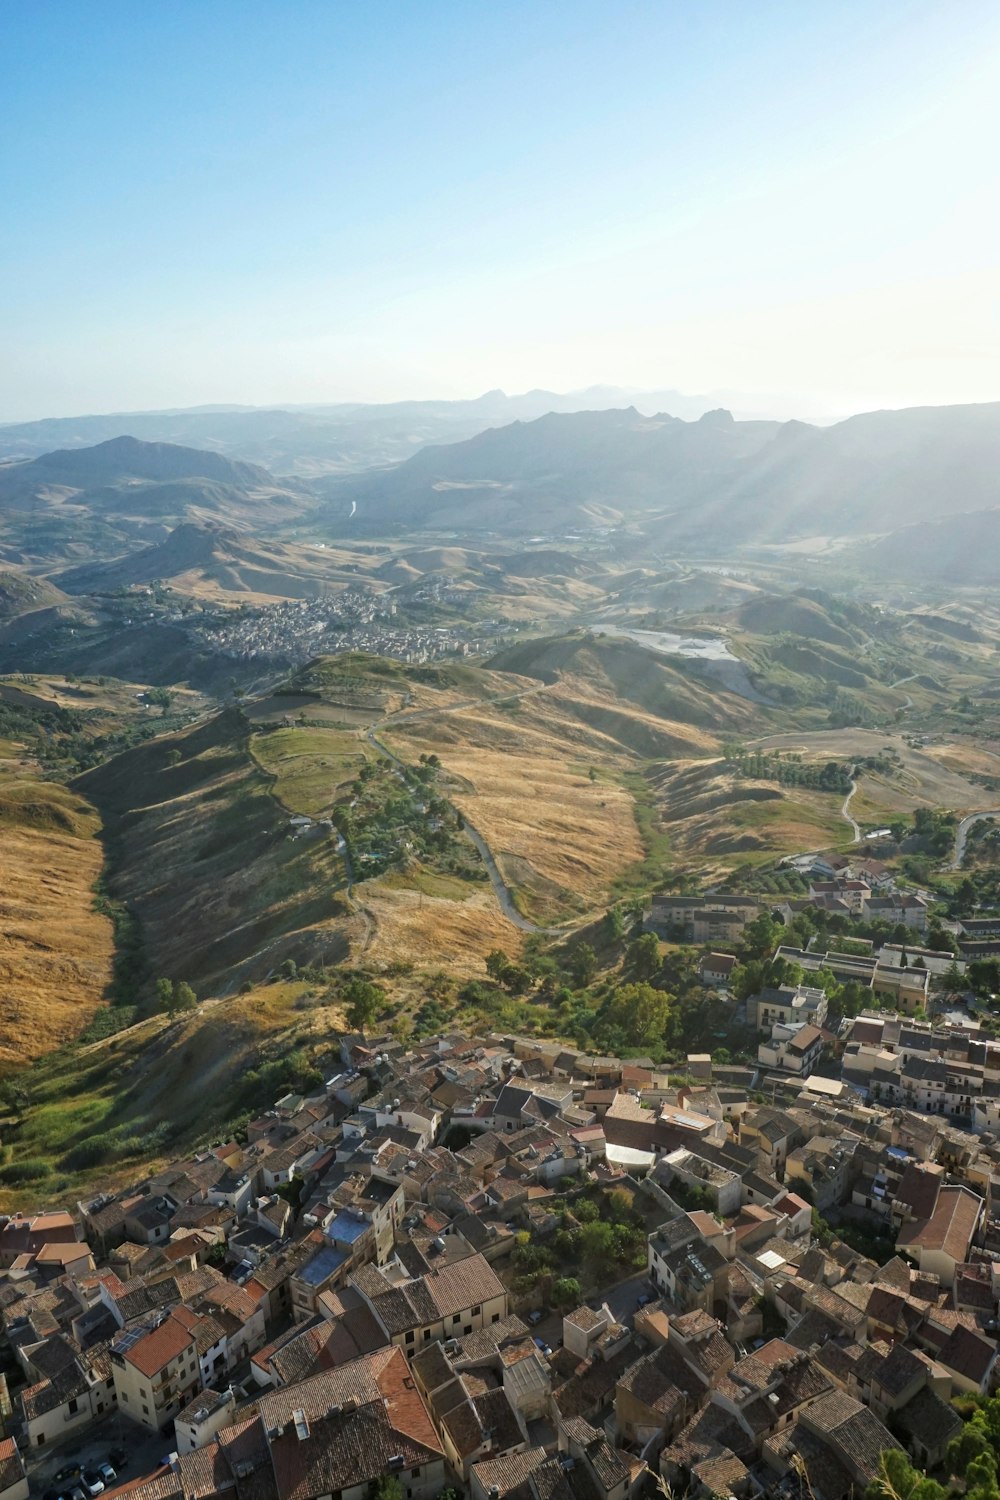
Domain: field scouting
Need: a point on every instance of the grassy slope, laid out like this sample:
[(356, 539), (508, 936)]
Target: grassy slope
[(203, 854), (182, 1075), (55, 948)]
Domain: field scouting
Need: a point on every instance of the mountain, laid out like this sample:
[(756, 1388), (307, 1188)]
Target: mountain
[(581, 469), (211, 560), (85, 503), (963, 549), (350, 436), (708, 484)]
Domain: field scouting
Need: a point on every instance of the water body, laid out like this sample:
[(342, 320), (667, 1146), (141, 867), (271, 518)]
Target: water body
[(701, 647)]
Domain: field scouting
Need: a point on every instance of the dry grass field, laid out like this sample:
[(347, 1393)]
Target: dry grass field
[(521, 777), (434, 933), (930, 776), (55, 948), (310, 766), (716, 820)]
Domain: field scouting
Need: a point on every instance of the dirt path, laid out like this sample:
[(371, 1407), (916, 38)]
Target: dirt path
[(502, 891), (846, 814)]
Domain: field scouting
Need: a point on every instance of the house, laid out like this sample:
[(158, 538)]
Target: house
[(13, 1479), (787, 1005), (794, 1047), (22, 1234), (940, 1243), (445, 1303), (341, 1431), (202, 1419), (715, 969), (156, 1370)]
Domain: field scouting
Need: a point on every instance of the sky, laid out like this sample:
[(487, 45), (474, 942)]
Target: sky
[(236, 201)]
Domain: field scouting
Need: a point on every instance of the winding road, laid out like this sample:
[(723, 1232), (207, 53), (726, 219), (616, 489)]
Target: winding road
[(502, 890), (846, 815), (962, 835)]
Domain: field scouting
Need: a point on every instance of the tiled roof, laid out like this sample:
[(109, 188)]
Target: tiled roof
[(157, 1347)]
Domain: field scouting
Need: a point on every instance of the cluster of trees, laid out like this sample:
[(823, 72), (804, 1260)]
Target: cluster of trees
[(597, 1237), (394, 814), (973, 1459), (789, 769), (175, 999)]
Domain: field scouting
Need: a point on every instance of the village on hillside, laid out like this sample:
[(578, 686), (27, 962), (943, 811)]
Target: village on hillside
[(498, 1266)]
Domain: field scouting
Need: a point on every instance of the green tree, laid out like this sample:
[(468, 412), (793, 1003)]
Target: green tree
[(185, 997), (638, 1013), (363, 999), (165, 996), (565, 1293), (762, 936), (642, 957), (496, 962), (583, 965), (897, 1479), (387, 1488)]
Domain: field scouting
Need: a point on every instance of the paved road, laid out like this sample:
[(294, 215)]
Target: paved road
[(962, 835)]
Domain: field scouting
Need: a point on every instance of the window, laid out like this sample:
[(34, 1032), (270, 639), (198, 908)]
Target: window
[(476, 1311), (409, 1337), (41, 1438), (145, 1409), (414, 1473), (74, 1405)]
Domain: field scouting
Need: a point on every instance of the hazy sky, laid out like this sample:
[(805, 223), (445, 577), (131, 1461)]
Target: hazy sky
[(297, 201)]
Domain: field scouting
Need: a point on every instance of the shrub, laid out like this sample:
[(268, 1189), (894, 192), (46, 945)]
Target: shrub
[(29, 1170)]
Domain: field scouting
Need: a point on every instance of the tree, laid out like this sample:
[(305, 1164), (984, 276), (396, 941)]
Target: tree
[(387, 1488), (496, 962), (185, 997), (642, 957), (614, 924), (583, 965), (565, 1293), (638, 1013), (761, 936), (165, 996), (363, 999), (897, 1479)]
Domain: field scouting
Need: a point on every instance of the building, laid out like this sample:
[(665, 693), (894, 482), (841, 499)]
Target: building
[(156, 1370)]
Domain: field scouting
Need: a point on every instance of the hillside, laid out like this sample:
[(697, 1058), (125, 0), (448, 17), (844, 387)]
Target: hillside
[(712, 484), (963, 550), (205, 857), (20, 594), (212, 561), (85, 503), (587, 468), (342, 438)]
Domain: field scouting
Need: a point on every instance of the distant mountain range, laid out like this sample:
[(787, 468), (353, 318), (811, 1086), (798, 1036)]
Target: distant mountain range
[(711, 483), (661, 484), (351, 436)]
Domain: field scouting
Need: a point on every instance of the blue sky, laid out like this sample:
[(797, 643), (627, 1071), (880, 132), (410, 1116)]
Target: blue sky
[(301, 202)]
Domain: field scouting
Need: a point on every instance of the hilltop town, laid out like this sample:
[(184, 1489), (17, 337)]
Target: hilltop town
[(499, 1265)]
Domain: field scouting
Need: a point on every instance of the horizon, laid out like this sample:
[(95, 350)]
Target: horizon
[(329, 206)]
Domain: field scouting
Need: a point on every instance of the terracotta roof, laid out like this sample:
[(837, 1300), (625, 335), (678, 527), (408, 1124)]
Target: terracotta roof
[(157, 1347), (950, 1228)]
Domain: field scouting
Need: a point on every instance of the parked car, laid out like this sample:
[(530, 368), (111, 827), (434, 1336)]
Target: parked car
[(118, 1457), (91, 1482), (107, 1473), (67, 1473), (536, 1316)]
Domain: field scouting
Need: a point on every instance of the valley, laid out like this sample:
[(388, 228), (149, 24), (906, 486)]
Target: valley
[(288, 749)]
